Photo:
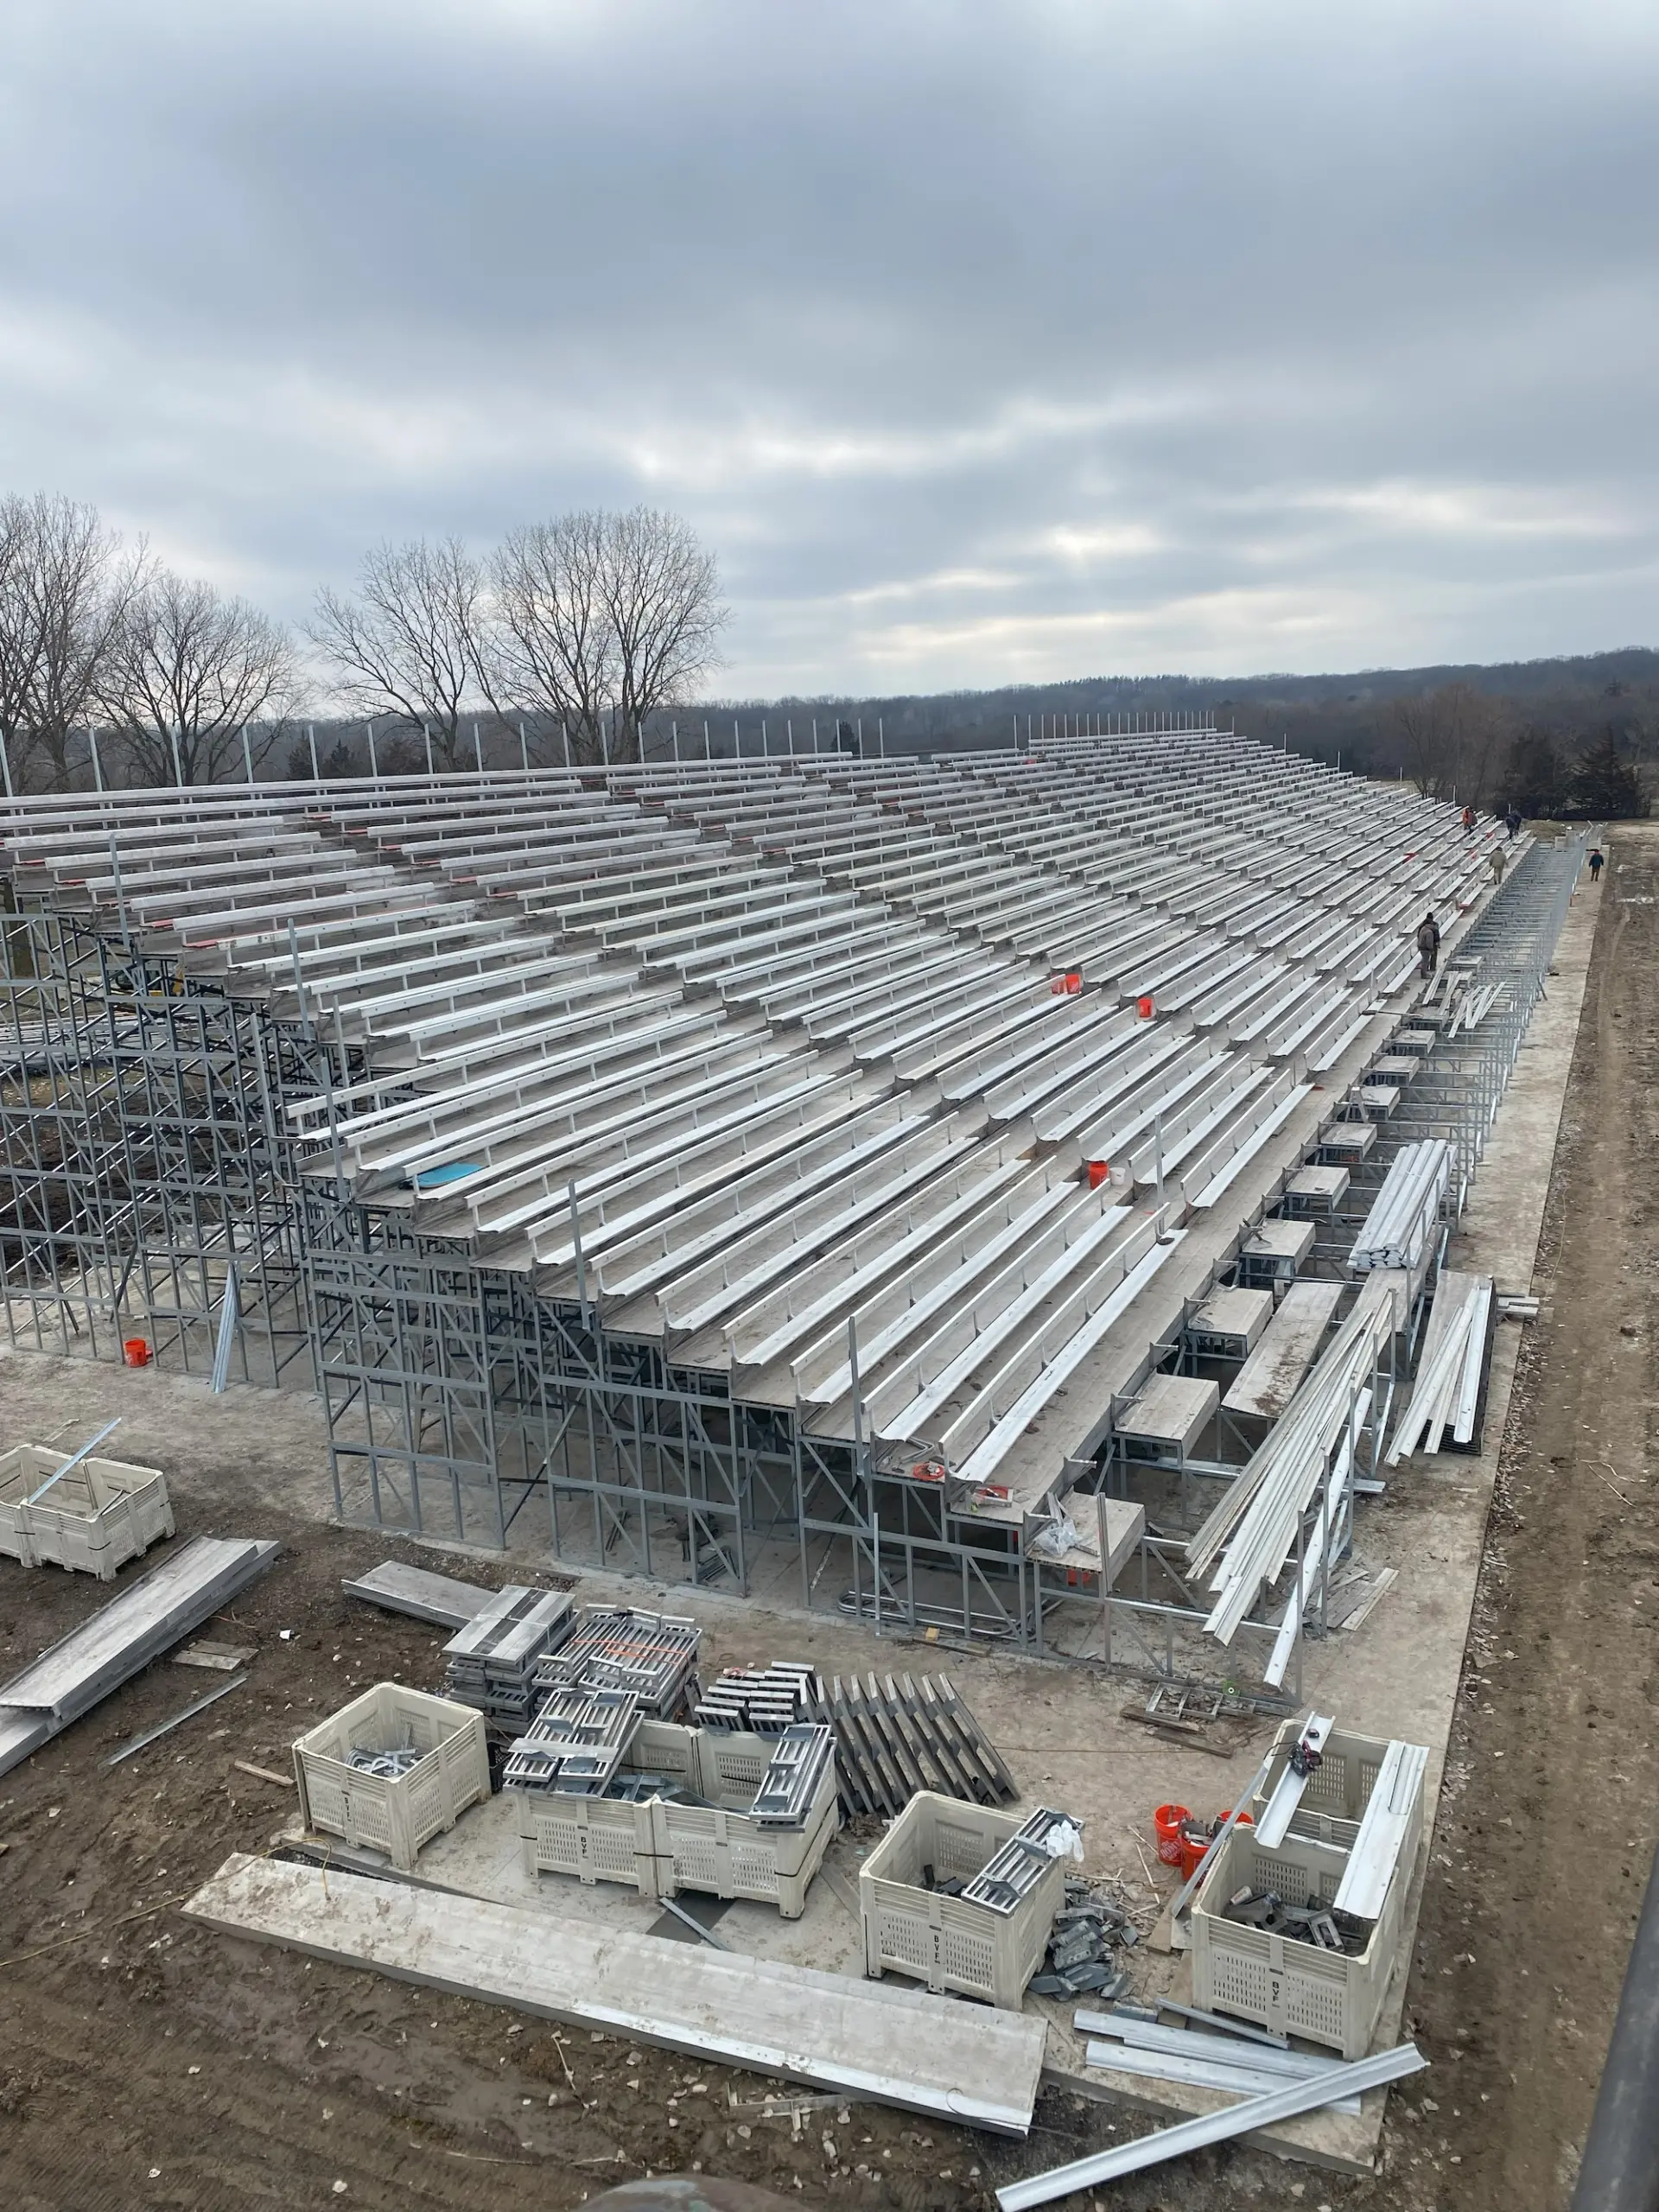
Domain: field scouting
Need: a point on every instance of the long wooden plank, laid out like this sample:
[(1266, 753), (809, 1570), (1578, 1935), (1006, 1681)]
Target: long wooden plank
[(968, 2063), (1272, 1374)]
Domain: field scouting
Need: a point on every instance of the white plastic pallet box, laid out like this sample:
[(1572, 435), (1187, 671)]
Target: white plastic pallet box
[(93, 1520), (396, 1815), (953, 1944), (1279, 1982)]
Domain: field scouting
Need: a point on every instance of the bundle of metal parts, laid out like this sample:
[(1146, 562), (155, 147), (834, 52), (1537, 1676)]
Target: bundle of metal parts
[(575, 1743), (1402, 1222), (1014, 1868), (1309, 1454), (897, 1736), (1087, 1930), (651, 1655), (790, 1782), (491, 1663), (764, 1700), (390, 1766), (1219, 2054), (1445, 1397), (1313, 1923)]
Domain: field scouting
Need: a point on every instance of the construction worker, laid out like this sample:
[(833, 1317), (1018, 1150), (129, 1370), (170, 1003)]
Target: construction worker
[(1428, 943), (1498, 861), (1468, 819), (1512, 822), (1596, 863)]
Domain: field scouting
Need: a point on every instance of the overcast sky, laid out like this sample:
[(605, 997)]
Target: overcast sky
[(981, 342)]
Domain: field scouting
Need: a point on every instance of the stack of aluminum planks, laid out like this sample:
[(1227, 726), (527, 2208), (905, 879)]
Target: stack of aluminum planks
[(1133, 2046), (651, 1655), (1446, 1395), (492, 1663), (122, 1638), (1401, 1222)]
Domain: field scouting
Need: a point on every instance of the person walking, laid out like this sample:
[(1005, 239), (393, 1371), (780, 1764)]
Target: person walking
[(1512, 823), (1596, 863), (1428, 943), (1498, 861), (1468, 819)]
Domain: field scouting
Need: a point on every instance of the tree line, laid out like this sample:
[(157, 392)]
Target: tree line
[(115, 669)]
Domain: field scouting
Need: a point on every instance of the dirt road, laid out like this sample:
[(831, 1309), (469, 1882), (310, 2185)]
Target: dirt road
[(144, 2062)]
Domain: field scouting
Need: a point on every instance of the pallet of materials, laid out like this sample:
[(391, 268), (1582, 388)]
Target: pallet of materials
[(896, 1736), (391, 1769)]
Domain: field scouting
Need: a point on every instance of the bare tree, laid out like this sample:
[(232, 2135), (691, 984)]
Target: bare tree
[(64, 588), (408, 643), (600, 616), (1452, 741), (186, 672)]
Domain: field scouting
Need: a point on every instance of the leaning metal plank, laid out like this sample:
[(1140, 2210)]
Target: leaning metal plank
[(440, 1598), (923, 2054), (1373, 2072), (127, 1633)]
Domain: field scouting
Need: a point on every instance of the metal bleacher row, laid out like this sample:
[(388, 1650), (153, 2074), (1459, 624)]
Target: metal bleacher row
[(791, 1064)]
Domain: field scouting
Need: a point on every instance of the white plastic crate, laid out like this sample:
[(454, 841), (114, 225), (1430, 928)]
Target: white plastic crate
[(1278, 1981), (1334, 1796), (595, 1839), (724, 1853), (608, 1839), (396, 1815), (952, 1943), (99, 1515)]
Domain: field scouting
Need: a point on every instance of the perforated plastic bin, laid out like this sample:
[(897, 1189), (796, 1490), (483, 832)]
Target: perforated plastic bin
[(952, 1943), (1278, 1981), (1335, 1794), (595, 1839), (99, 1515), (394, 1814), (724, 1853), (609, 1839)]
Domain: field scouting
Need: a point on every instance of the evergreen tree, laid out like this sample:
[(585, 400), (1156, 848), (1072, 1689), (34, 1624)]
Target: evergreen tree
[(1605, 787)]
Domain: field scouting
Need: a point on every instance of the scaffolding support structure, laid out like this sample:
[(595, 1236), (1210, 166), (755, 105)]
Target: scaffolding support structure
[(564, 1131)]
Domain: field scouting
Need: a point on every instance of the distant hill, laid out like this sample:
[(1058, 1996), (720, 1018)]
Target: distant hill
[(1570, 702)]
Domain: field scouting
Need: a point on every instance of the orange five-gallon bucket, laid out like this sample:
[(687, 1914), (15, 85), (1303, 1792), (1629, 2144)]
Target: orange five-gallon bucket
[(1166, 1826), (136, 1352)]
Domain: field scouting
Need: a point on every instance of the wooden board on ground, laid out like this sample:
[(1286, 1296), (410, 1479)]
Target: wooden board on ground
[(423, 1595), (923, 2054)]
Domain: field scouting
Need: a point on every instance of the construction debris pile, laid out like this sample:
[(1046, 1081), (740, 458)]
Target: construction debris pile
[(1088, 1932)]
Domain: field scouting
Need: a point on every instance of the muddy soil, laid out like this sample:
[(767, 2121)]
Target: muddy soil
[(146, 2063)]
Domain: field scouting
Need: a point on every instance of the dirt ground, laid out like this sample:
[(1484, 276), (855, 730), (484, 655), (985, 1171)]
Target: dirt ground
[(146, 2063)]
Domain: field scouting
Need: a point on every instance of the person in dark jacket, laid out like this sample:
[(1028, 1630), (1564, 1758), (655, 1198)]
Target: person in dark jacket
[(1428, 943), (1597, 861), (1512, 822)]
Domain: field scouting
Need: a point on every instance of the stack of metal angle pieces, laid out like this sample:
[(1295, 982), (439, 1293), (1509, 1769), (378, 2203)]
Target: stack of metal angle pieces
[(1015, 1867), (575, 1743), (1248, 2061), (761, 1700), (121, 1639), (790, 1786), (1445, 1397), (897, 1736), (1253, 1529), (1401, 1219), (651, 1655), (491, 1663)]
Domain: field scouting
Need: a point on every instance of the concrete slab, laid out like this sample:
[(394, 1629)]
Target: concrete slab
[(925, 2054)]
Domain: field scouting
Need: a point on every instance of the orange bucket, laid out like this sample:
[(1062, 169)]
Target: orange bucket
[(1166, 1827), (136, 1352), (1145, 1007), (1099, 1172), (1074, 981)]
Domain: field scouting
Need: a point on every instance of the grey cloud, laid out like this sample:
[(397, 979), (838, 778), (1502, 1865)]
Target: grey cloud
[(980, 342)]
